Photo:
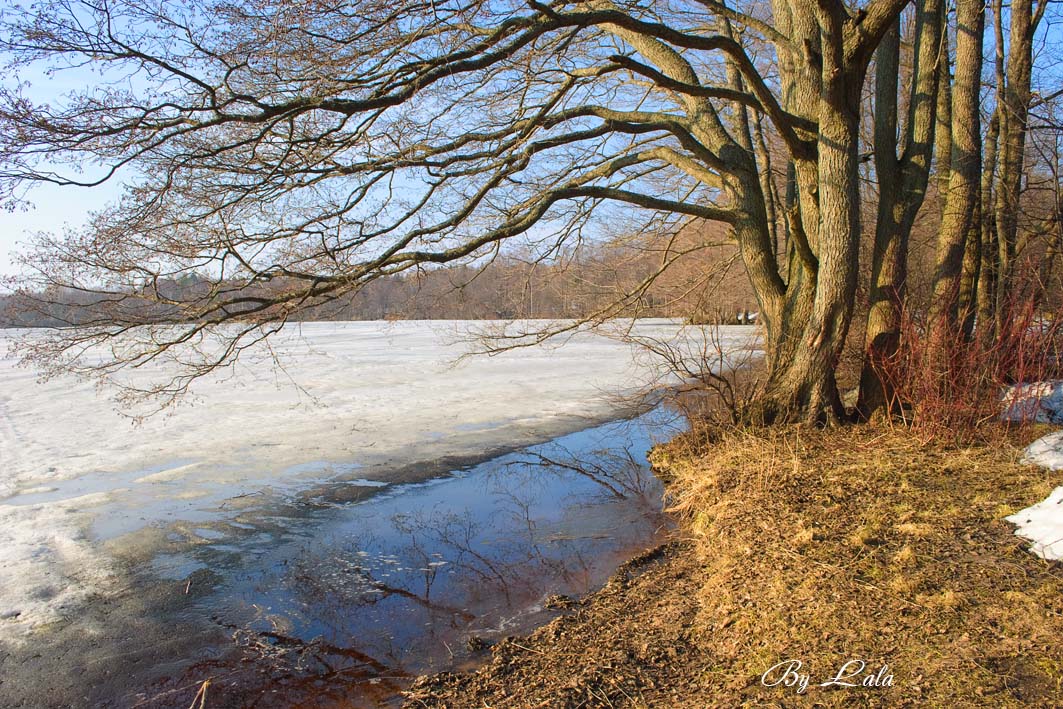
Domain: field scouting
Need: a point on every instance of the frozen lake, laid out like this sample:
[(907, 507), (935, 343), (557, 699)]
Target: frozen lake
[(199, 515)]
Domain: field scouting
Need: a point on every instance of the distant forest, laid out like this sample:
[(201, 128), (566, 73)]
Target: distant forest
[(704, 281)]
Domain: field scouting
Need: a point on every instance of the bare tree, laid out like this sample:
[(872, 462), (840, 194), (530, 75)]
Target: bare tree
[(324, 146)]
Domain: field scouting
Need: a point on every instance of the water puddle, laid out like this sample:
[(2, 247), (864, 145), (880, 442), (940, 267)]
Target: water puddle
[(337, 590)]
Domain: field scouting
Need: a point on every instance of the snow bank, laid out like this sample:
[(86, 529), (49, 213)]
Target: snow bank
[(1040, 402), (1046, 452), (350, 394), (1042, 523)]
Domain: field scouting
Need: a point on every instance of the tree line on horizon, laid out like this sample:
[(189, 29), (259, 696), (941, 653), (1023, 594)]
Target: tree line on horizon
[(707, 286)]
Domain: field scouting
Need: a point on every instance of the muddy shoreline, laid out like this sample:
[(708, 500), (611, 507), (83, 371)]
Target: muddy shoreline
[(594, 650), (855, 544)]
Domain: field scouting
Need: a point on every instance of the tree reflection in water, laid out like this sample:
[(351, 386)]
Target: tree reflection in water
[(423, 580), (412, 594)]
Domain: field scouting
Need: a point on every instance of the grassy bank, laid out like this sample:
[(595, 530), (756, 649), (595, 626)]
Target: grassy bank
[(813, 546)]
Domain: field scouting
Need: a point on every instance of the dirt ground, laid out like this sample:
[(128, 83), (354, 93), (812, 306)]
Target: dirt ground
[(855, 545)]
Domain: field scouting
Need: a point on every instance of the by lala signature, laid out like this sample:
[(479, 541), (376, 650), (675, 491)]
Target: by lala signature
[(854, 673)]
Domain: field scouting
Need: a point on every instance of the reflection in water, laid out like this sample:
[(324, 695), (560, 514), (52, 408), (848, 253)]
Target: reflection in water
[(343, 605)]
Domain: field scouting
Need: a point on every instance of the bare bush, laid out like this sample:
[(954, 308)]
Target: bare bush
[(950, 385)]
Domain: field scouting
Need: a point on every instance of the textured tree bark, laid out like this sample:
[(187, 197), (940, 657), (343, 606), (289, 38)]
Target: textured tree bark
[(1015, 104), (988, 261), (961, 213), (943, 121), (825, 222), (902, 188), (970, 279), (888, 259)]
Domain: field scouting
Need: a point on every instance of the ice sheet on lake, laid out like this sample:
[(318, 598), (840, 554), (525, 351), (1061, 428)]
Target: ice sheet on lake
[(369, 392), (363, 388)]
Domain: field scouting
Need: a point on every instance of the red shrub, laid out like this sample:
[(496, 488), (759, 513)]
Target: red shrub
[(951, 385)]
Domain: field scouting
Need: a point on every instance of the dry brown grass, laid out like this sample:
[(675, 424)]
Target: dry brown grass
[(821, 546), (826, 546)]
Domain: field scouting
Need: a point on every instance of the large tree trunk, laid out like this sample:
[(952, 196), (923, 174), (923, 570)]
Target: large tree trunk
[(1015, 104), (902, 188), (970, 280), (961, 213), (809, 384), (807, 302), (889, 255), (829, 224)]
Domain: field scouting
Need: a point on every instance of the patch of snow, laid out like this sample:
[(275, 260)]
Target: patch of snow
[(1039, 402), (1047, 452), (1041, 524), (48, 566), (362, 482)]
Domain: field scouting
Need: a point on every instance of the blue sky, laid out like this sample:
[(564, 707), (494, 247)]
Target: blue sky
[(54, 209)]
